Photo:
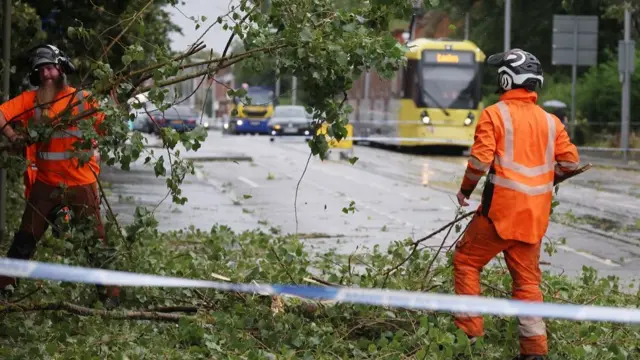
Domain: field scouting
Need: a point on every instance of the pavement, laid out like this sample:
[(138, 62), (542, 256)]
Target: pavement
[(248, 182)]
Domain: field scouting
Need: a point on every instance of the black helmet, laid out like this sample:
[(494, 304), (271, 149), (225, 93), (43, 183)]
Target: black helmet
[(45, 55), (517, 69)]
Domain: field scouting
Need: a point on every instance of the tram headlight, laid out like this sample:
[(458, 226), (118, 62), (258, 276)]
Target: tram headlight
[(425, 118), (469, 120)]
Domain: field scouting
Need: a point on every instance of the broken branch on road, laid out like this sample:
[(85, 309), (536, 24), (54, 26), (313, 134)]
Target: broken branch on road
[(85, 311), (418, 242)]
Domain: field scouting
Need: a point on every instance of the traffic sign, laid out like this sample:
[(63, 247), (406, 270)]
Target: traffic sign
[(575, 40), (575, 43), (626, 56)]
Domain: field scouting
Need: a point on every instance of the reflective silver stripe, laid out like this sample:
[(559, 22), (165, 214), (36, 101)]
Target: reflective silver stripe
[(44, 155), (568, 165), (49, 155), (514, 185), (466, 315), (80, 108), (63, 134), (507, 160), (477, 164), (531, 326), (472, 176)]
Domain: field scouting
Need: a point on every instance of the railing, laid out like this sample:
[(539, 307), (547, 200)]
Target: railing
[(602, 140)]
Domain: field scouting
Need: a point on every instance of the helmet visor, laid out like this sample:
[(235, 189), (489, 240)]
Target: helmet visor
[(497, 59)]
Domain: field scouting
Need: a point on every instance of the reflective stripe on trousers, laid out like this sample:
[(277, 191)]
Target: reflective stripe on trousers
[(530, 326)]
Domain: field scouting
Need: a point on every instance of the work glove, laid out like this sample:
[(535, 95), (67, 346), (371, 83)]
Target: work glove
[(560, 178)]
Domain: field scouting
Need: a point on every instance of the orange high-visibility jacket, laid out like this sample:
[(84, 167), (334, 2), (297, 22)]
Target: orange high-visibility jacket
[(521, 146), (54, 158)]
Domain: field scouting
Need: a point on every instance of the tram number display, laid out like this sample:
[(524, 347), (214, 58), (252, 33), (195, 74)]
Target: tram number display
[(448, 57)]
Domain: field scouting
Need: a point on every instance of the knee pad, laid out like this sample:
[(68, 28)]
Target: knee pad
[(23, 246)]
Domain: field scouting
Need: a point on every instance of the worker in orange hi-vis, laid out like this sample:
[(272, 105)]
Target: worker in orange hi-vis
[(56, 164), (524, 149)]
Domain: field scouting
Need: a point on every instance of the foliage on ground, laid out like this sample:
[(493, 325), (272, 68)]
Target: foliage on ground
[(205, 324)]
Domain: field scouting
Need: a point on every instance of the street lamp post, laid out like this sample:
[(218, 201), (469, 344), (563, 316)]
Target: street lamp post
[(627, 66), (507, 25)]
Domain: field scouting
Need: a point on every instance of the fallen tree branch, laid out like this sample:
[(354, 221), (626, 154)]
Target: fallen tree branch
[(418, 242), (172, 309), (84, 311), (433, 259)]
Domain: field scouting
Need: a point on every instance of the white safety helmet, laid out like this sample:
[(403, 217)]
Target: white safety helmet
[(517, 69)]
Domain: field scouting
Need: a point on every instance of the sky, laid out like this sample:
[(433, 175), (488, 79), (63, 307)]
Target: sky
[(215, 39)]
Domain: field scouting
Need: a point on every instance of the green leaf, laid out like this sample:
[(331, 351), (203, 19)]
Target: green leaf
[(306, 35), (353, 160), (237, 92), (126, 59)]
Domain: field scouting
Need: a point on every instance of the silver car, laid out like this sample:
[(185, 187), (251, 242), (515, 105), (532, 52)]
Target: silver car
[(290, 120)]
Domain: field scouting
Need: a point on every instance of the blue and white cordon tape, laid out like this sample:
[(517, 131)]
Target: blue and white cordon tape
[(381, 297)]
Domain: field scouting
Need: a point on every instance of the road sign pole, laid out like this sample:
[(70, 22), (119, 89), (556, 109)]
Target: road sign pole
[(575, 43), (467, 20), (507, 25), (294, 86), (626, 84), (574, 78)]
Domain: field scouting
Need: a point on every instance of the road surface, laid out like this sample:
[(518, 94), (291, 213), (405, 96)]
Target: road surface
[(394, 196)]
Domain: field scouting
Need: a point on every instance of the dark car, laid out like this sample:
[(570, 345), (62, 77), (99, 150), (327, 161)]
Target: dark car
[(181, 118), (290, 120)]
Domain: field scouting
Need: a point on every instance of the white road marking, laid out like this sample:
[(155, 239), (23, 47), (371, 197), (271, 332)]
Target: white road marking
[(247, 181), (588, 256)]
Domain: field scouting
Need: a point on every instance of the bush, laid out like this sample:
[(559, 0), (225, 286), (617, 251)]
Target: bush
[(227, 325)]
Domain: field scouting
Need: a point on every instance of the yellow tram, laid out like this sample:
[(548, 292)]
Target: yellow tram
[(434, 100)]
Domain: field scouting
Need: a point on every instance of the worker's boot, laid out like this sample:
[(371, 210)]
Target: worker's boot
[(5, 292), (529, 357), (23, 247)]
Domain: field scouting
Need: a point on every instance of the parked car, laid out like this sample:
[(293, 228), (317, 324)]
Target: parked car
[(290, 120), (179, 117)]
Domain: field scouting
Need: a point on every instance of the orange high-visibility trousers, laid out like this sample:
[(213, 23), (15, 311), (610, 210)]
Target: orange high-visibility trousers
[(478, 246)]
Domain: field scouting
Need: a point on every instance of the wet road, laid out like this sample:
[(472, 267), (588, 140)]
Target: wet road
[(394, 196)]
